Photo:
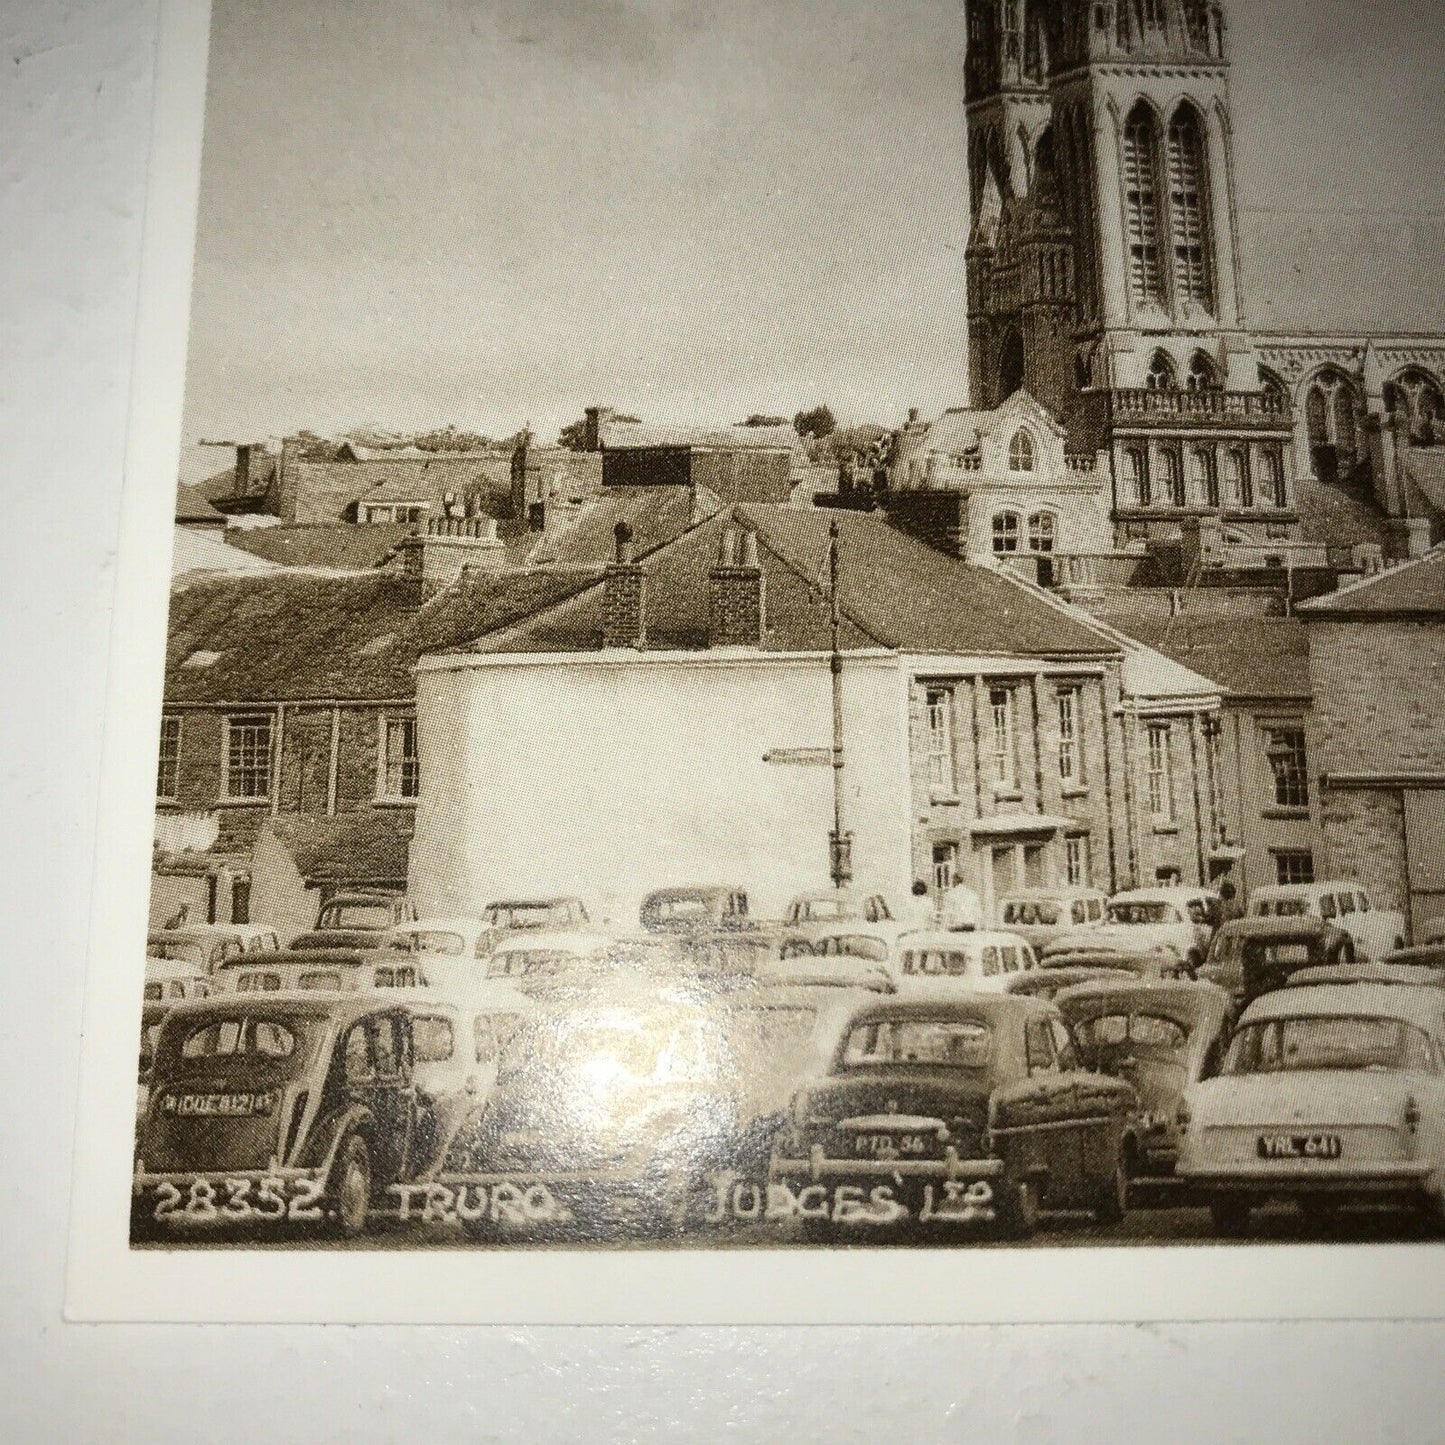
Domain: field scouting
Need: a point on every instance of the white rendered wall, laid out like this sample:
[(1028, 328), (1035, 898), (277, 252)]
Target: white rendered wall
[(611, 776)]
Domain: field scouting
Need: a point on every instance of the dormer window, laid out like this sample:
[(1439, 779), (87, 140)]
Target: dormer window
[(1021, 452)]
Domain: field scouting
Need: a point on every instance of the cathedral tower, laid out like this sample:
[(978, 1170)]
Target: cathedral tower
[(1103, 267)]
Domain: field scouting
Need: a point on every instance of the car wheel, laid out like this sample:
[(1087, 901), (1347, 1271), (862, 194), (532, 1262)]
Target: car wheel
[(1112, 1195), (1230, 1214), (351, 1188), (1019, 1209)]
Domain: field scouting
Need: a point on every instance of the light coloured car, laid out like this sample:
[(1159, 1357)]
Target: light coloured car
[(169, 980), (201, 945), (508, 916), (1171, 920), (982, 961), (323, 970), (1329, 1093), (861, 942), (455, 949), (822, 910), (1041, 915), (542, 961), (1376, 931)]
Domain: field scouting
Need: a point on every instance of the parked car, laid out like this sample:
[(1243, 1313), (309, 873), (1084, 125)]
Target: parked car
[(508, 916), (170, 981), (629, 1099), (271, 1108), (361, 919), (809, 915), (1161, 1037), (1327, 1094), (704, 908), (1041, 915), (1061, 966), (203, 946), (455, 949), (1376, 931), (1175, 921), (336, 970), (1048, 982), (970, 1105), (1251, 955), (542, 961), (1405, 974), (983, 960), (838, 970)]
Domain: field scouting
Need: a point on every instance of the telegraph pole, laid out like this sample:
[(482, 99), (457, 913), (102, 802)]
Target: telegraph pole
[(840, 842)]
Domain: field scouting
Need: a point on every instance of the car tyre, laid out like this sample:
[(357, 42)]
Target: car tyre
[(1230, 1215), (1112, 1193), (1019, 1209), (351, 1188)]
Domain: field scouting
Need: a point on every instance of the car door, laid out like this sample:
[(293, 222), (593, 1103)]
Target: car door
[(1040, 1110), (392, 1098)]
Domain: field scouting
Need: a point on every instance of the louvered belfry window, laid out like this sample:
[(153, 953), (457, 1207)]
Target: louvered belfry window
[(1142, 200), (1186, 208)]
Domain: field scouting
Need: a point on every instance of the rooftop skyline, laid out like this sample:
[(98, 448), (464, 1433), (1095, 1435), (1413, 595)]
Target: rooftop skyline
[(487, 212)]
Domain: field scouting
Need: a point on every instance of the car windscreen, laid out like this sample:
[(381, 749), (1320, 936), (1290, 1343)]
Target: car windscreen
[(682, 906), (944, 1043), (1294, 1045), (1278, 950), (1107, 1036), (243, 1041), (254, 980), (436, 941), (1280, 908), (824, 910), (526, 915), (935, 962), (1134, 913), (399, 975), (433, 1040), (178, 952), (357, 915), (852, 945)]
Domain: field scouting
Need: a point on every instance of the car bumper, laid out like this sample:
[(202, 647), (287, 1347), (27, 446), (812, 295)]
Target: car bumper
[(818, 1166), (1322, 1176)]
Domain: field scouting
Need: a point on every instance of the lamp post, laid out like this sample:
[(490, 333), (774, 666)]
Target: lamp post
[(840, 841)]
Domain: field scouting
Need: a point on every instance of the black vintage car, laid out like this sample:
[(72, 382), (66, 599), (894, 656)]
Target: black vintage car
[(1160, 1037), (279, 1107), (1251, 956), (967, 1107)]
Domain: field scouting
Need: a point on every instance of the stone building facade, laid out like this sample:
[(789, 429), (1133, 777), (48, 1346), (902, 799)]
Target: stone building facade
[(1377, 665)]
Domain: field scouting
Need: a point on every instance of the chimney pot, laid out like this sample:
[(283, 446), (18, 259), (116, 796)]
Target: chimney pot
[(622, 537)]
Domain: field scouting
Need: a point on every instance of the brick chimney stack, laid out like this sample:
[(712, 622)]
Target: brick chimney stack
[(241, 481), (597, 418), (736, 605), (624, 596)]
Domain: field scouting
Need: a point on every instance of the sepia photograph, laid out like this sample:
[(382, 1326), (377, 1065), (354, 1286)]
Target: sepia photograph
[(811, 627)]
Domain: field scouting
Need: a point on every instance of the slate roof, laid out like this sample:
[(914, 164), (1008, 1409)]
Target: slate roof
[(1414, 589), (656, 515), (895, 593), (341, 545), (193, 506), (206, 552), (1337, 514), (1249, 657), (424, 477), (290, 636), (348, 848)]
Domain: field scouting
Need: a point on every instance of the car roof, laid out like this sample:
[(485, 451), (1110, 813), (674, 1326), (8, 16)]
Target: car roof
[(458, 924), (1396, 974), (1163, 893), (318, 1003), (1427, 955), (682, 890), (1064, 892), (1419, 1006), (1275, 927), (959, 938), (363, 895), (1306, 890), (988, 1006), (1181, 998), (191, 933), (820, 895), (316, 957)]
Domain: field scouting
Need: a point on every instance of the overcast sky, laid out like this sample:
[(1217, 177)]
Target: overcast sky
[(489, 211)]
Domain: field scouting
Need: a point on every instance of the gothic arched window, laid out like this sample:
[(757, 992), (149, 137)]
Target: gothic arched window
[(1043, 529), (1271, 478), (1330, 419), (1202, 375), (1172, 479), (1136, 477), (1190, 233), (1161, 373), (1021, 452), (1273, 388), (1005, 532), (1415, 400), (1196, 23), (1236, 479), (1141, 197), (1203, 482)]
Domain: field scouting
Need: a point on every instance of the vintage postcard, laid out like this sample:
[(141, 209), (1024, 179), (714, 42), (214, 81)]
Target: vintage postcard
[(777, 664)]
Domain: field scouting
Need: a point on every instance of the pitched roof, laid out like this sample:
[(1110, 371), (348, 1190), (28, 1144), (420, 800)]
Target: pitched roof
[(426, 476), (289, 636), (1337, 514), (622, 436), (348, 848), (203, 552), (192, 505), (342, 545), (656, 515), (1414, 589), (1248, 656), (894, 593), (1426, 468)]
